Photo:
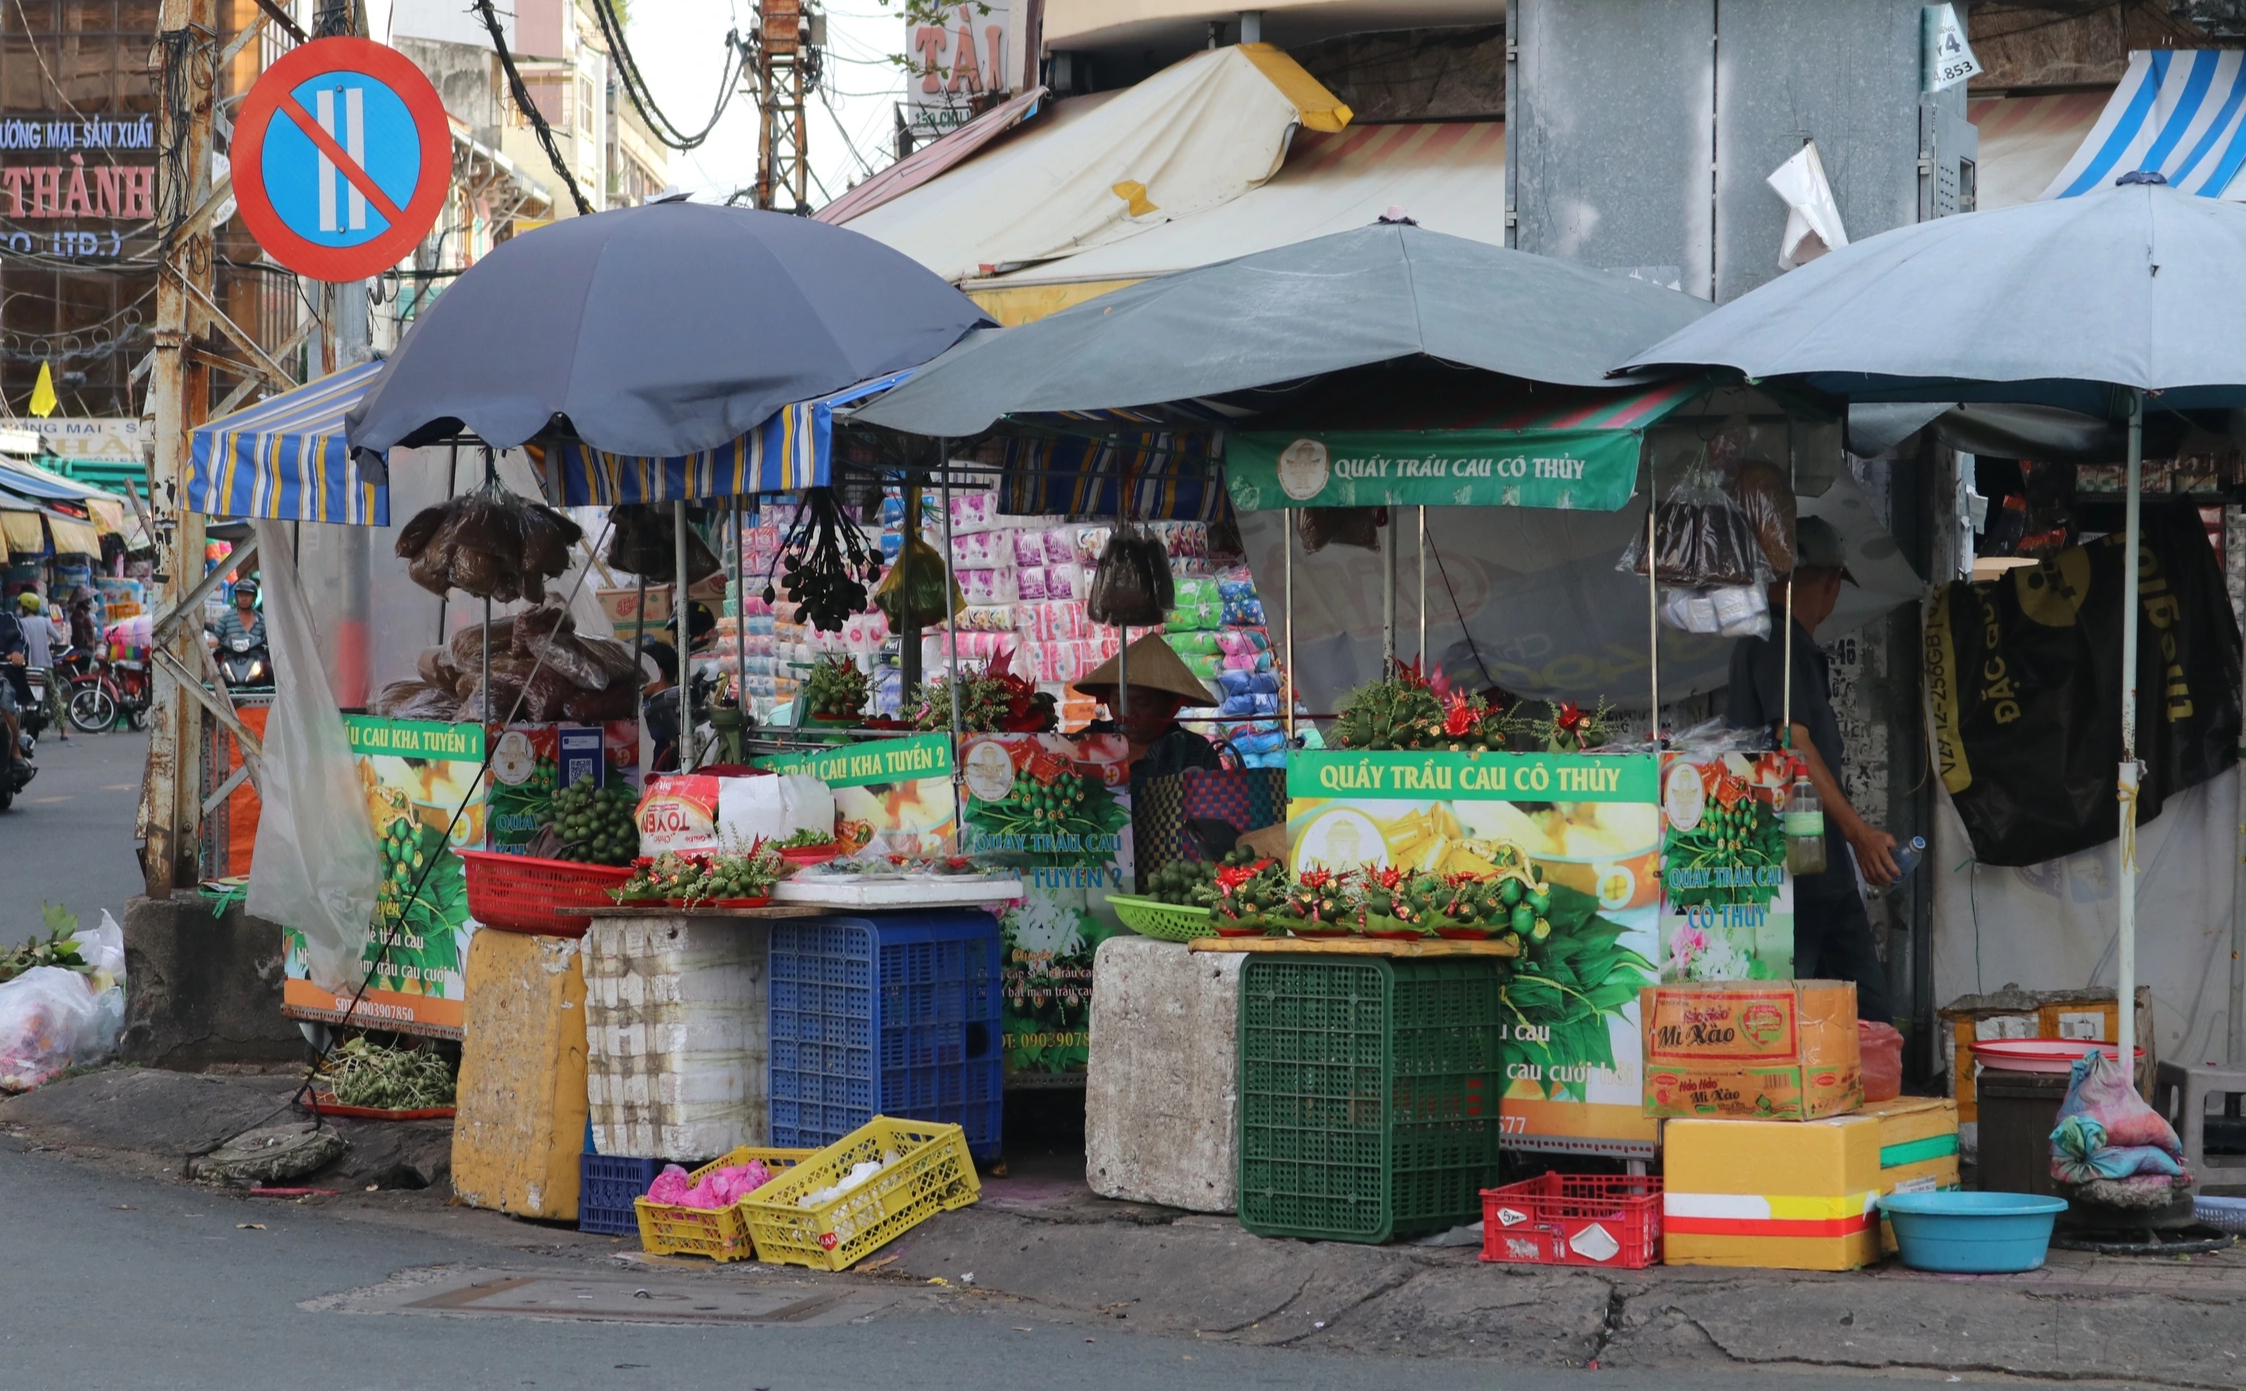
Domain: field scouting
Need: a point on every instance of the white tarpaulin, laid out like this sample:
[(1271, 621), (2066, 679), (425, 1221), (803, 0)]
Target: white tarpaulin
[(1099, 169), (1546, 614), (2026, 141), (2051, 926), (316, 867)]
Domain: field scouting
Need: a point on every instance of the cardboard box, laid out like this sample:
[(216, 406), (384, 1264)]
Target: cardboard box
[(1756, 1050), (1779, 1197), (2093, 1015), (1918, 1149)]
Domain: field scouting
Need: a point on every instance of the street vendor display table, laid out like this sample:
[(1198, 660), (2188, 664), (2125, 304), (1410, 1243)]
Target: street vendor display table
[(1352, 946)]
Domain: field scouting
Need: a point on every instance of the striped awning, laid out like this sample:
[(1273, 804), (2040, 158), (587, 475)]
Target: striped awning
[(790, 451), (1170, 477), (285, 459), (2181, 112)]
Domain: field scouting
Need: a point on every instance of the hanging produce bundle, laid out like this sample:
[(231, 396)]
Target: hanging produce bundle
[(1132, 586), (835, 689), (596, 825), (919, 592), (825, 563), (490, 543), (643, 540), (542, 669)]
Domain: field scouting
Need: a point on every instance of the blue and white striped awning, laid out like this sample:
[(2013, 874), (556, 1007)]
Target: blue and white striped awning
[(285, 459), (2182, 113)]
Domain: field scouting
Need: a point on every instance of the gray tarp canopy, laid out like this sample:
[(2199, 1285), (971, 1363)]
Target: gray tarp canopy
[(2088, 304), (1376, 294), (657, 331)]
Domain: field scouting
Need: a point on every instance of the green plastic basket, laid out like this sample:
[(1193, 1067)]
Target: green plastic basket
[(1368, 1095), (1166, 922)]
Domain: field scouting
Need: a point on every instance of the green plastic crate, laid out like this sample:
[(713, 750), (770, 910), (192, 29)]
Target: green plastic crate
[(1368, 1095)]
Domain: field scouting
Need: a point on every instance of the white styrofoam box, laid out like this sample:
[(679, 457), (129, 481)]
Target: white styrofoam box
[(903, 891), (1162, 1089), (675, 1035)]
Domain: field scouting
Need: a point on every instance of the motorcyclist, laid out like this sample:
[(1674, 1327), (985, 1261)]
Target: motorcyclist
[(242, 620), (14, 691), (39, 655)]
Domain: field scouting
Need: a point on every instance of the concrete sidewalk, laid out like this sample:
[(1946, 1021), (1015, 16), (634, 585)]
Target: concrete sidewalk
[(1041, 1239)]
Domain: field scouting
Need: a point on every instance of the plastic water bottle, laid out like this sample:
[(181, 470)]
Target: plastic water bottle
[(1907, 857), (1804, 824)]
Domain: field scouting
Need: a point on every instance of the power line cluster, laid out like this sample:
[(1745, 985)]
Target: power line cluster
[(642, 97)]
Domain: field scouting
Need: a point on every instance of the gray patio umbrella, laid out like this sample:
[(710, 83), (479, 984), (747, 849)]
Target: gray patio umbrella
[(1388, 291), (659, 331), (2089, 304)]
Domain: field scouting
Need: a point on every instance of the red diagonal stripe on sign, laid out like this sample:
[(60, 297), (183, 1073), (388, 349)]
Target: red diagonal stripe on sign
[(326, 144)]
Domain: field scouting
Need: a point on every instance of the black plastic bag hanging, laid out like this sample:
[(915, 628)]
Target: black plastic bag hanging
[(825, 563), (643, 541), (1131, 585), (2024, 675)]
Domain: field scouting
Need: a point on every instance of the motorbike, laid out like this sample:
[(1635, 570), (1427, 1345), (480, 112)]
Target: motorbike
[(33, 716), (245, 663), (16, 770), (96, 692)]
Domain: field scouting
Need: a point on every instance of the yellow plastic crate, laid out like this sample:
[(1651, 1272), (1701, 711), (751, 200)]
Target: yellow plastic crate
[(722, 1234), (927, 1171)]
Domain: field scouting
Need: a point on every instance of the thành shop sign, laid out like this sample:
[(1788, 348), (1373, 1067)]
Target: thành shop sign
[(1584, 470)]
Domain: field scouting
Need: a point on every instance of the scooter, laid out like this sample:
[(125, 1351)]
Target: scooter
[(246, 664), (16, 770)]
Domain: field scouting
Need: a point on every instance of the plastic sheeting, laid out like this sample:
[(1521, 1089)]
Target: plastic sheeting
[(2051, 926), (1548, 615), (316, 866), (1103, 168)]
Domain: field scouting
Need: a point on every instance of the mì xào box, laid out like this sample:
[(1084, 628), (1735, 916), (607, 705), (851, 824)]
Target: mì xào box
[(1751, 1050)]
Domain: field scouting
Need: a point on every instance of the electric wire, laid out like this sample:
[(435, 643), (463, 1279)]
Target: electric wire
[(528, 107), (636, 88)]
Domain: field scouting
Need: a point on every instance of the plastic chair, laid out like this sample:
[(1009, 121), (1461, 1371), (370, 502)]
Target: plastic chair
[(2181, 1093)]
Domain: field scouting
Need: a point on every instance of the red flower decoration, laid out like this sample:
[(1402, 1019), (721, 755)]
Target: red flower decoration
[(1572, 717), (1459, 715), (1387, 878)]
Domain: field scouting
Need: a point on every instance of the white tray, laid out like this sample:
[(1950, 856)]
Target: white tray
[(905, 891)]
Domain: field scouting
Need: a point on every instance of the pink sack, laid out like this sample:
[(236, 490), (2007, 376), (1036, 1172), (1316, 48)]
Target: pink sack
[(1882, 1049)]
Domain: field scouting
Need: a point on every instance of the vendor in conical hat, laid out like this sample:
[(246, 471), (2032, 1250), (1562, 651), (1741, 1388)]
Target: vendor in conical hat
[(1144, 688)]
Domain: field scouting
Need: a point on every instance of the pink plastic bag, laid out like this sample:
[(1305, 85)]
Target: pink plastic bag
[(1882, 1049)]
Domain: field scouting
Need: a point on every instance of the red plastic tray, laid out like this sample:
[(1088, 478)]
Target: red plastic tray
[(327, 1105), (1609, 1220), (516, 893)]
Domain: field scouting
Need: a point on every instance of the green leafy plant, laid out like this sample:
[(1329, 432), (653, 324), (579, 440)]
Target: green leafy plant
[(835, 689), (363, 1073), (1405, 711), (58, 948), (726, 875)]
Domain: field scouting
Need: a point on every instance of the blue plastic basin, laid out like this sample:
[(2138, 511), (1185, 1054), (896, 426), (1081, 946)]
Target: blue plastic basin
[(1972, 1233)]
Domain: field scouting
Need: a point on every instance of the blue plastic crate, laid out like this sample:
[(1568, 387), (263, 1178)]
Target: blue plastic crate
[(607, 1185), (894, 1015)]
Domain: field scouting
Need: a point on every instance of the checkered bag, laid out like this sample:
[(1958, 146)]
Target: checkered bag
[(1247, 799)]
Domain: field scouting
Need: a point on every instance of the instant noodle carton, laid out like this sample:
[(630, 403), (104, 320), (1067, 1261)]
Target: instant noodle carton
[(1755, 1050), (1917, 1148), (1777, 1197)]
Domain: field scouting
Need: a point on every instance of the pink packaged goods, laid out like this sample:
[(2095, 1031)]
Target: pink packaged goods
[(1065, 582), (983, 550), (1029, 547), (973, 512), (1029, 580)]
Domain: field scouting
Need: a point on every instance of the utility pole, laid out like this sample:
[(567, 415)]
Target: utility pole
[(789, 43), (179, 396), (346, 339)]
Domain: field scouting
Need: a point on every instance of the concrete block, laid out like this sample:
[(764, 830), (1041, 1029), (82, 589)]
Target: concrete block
[(1162, 1092), (202, 989), (676, 1036), (519, 1128)]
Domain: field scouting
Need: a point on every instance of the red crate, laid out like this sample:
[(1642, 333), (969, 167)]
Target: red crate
[(1609, 1220), (517, 893)]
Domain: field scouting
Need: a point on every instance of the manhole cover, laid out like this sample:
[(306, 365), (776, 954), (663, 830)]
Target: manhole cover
[(707, 1300)]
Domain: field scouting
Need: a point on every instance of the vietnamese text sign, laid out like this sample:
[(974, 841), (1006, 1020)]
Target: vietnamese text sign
[(862, 765), (1588, 470), (1501, 777)]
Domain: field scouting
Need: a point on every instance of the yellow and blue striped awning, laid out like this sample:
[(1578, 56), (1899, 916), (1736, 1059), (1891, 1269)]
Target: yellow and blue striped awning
[(285, 459), (790, 451)]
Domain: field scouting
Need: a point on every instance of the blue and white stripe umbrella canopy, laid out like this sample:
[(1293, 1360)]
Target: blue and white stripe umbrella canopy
[(285, 459), (2180, 113)]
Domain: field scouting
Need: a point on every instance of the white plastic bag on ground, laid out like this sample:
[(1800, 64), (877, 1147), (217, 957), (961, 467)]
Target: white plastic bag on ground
[(317, 865), (46, 1016), (103, 949)]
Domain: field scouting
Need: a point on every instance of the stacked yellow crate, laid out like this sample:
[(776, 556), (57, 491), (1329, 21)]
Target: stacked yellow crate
[(1774, 1195)]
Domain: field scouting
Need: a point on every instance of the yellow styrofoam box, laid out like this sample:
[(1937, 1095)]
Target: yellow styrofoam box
[(1796, 1195), (519, 1129), (1917, 1148)]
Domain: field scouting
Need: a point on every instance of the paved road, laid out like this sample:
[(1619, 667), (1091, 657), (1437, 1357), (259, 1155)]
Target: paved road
[(69, 837), (124, 1282)]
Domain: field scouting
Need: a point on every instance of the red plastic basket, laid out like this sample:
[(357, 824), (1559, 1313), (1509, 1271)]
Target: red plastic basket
[(1609, 1220), (516, 893)]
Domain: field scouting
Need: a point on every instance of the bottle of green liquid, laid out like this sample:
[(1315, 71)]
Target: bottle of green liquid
[(1804, 823)]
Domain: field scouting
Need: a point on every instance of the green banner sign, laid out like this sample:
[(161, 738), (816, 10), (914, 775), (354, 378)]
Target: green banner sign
[(429, 739), (1473, 777), (857, 765), (1586, 470)]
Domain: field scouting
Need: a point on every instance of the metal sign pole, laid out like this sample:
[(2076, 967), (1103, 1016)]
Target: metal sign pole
[(1287, 571), (2126, 785), (680, 616), (1423, 590)]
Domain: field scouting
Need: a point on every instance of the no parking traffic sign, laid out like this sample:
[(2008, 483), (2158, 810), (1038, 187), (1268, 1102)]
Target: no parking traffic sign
[(341, 158)]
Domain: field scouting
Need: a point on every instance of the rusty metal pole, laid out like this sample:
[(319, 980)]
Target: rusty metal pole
[(179, 397)]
